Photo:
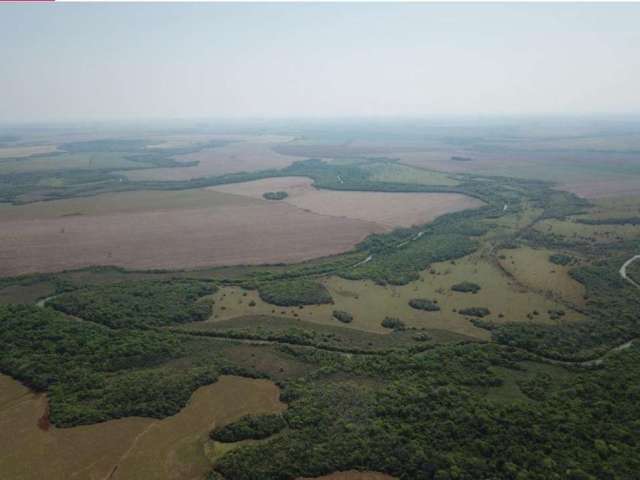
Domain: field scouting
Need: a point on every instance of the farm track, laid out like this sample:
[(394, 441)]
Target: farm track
[(623, 270)]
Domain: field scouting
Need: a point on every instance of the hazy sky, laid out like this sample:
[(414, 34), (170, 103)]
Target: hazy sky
[(70, 61)]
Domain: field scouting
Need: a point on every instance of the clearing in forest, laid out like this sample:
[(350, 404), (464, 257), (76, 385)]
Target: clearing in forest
[(370, 303)]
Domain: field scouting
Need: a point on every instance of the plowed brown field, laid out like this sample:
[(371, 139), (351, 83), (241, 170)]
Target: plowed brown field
[(388, 209)]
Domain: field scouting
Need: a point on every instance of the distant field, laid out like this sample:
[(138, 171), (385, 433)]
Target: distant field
[(589, 175), (67, 161), (169, 449), (184, 229), (388, 209), (393, 172), (583, 232), (22, 151), (589, 164), (243, 156)]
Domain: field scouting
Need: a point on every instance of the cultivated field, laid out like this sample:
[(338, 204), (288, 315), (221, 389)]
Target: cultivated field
[(175, 448), (185, 229), (388, 209)]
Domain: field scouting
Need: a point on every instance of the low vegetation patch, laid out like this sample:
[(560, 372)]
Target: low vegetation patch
[(609, 221), (561, 259), (294, 292), (275, 195), (466, 287), (424, 304), (254, 427)]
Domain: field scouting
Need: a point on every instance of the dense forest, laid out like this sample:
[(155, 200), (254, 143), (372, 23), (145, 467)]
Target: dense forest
[(138, 304)]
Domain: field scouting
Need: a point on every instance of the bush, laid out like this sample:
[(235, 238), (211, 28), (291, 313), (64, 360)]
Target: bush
[(342, 316), (423, 304), (422, 337), (253, 427), (475, 311), (275, 195), (466, 287), (393, 323), (560, 259), (294, 292)]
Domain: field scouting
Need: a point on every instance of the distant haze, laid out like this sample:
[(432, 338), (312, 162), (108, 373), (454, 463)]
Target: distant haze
[(129, 61)]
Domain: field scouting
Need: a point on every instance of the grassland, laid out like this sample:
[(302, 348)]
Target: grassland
[(398, 173), (370, 303), (532, 268)]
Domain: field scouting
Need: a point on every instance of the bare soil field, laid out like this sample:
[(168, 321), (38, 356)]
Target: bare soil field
[(388, 209), (130, 231), (175, 448), (235, 157)]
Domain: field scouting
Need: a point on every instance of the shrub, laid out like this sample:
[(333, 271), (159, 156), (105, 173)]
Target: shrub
[(342, 316), (475, 311), (422, 337), (275, 195), (393, 323), (466, 287), (423, 304), (560, 259)]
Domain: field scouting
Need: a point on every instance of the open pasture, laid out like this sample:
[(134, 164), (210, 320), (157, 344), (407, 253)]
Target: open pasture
[(572, 230), (19, 151), (398, 173), (370, 303), (532, 268), (169, 449), (387, 209)]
